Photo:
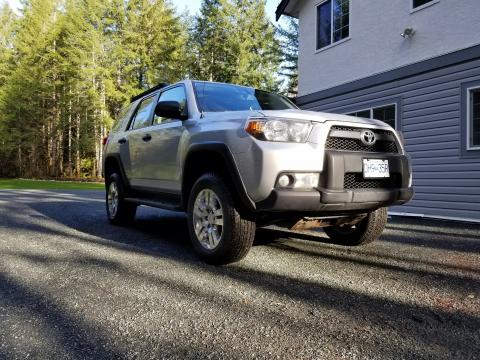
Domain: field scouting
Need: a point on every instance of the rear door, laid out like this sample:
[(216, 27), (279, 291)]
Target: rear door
[(117, 137)]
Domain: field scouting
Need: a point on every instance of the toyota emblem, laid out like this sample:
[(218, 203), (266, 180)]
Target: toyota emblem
[(368, 137)]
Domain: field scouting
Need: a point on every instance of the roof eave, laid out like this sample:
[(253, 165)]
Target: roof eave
[(286, 7)]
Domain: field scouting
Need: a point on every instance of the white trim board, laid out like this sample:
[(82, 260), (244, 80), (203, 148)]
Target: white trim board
[(423, 216), (469, 119)]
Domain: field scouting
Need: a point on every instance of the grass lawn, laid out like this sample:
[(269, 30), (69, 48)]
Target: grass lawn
[(48, 185)]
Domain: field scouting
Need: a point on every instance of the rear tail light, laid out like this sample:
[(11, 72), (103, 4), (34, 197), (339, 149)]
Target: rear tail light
[(105, 141)]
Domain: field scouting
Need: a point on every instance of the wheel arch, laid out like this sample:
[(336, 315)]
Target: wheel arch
[(217, 158), (113, 164)]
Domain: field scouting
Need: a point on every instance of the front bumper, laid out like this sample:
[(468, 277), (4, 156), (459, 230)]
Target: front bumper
[(323, 200), (333, 194)]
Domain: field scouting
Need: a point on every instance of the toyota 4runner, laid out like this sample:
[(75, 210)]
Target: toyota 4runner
[(235, 158)]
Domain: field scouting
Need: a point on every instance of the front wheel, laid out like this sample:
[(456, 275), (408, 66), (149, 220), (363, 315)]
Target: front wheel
[(366, 231), (220, 235)]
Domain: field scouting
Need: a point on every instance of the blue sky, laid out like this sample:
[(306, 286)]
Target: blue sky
[(194, 5), (191, 5)]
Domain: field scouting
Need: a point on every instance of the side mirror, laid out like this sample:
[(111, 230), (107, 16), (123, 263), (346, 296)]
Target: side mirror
[(169, 110)]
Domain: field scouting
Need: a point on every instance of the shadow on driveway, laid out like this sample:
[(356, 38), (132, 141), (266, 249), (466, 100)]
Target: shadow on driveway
[(436, 330)]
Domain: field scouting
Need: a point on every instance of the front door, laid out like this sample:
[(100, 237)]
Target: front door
[(164, 154)]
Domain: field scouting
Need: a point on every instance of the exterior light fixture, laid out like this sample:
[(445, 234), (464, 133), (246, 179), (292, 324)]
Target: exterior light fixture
[(408, 33)]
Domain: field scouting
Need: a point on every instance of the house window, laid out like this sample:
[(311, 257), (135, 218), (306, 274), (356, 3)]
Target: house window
[(419, 3), (333, 22), (362, 114), (473, 128), (387, 114)]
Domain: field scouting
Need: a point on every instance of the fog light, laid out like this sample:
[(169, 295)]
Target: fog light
[(305, 180), (284, 181)]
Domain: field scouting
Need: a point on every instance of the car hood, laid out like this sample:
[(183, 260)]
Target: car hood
[(292, 114), (296, 114)]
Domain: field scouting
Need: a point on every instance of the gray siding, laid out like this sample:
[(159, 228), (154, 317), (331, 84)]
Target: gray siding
[(375, 44), (432, 119)]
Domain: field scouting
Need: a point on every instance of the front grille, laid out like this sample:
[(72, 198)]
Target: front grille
[(356, 181), (334, 143), (355, 144)]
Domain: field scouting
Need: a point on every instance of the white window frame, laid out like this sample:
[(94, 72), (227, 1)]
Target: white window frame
[(418, 8), (376, 107), (332, 44), (470, 146)]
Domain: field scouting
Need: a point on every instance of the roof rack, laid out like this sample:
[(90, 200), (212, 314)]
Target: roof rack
[(146, 92)]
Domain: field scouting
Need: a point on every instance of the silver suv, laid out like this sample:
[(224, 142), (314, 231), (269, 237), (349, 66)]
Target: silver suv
[(236, 158)]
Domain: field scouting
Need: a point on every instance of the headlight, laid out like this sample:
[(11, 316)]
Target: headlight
[(279, 130)]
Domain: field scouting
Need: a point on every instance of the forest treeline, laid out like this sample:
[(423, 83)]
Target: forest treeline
[(67, 67)]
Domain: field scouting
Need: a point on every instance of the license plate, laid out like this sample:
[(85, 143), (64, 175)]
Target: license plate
[(375, 168)]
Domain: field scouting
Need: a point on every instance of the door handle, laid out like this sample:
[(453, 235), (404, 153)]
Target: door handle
[(122, 140), (147, 137)]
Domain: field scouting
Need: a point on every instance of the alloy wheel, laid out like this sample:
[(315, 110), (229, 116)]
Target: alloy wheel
[(208, 219)]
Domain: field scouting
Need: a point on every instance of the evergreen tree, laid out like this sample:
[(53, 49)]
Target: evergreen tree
[(30, 95), (257, 49), (68, 66), (212, 43), (289, 42), (7, 32), (233, 41), (153, 44), (7, 19)]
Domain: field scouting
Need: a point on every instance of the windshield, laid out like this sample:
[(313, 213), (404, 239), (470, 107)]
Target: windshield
[(216, 97)]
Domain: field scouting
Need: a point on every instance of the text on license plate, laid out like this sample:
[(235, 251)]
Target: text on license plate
[(375, 168)]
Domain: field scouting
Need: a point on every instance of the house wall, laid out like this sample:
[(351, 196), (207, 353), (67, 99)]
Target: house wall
[(432, 116), (375, 44)]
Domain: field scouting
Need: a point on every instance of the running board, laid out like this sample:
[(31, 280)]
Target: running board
[(157, 204)]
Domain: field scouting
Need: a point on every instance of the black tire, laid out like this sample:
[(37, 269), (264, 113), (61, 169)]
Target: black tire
[(237, 233), (367, 231), (125, 211)]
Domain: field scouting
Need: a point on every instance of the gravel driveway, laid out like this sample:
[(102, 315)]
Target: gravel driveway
[(73, 286)]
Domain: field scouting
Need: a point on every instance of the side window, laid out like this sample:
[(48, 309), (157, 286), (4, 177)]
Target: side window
[(122, 115), (175, 94), (143, 115)]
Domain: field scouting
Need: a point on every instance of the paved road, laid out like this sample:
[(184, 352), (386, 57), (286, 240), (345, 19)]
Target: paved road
[(73, 286)]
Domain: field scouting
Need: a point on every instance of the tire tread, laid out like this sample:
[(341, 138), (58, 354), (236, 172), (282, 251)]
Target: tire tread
[(369, 230), (126, 211), (242, 234)]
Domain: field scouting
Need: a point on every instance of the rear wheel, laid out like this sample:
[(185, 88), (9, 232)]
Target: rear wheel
[(366, 231), (119, 211), (218, 232)]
